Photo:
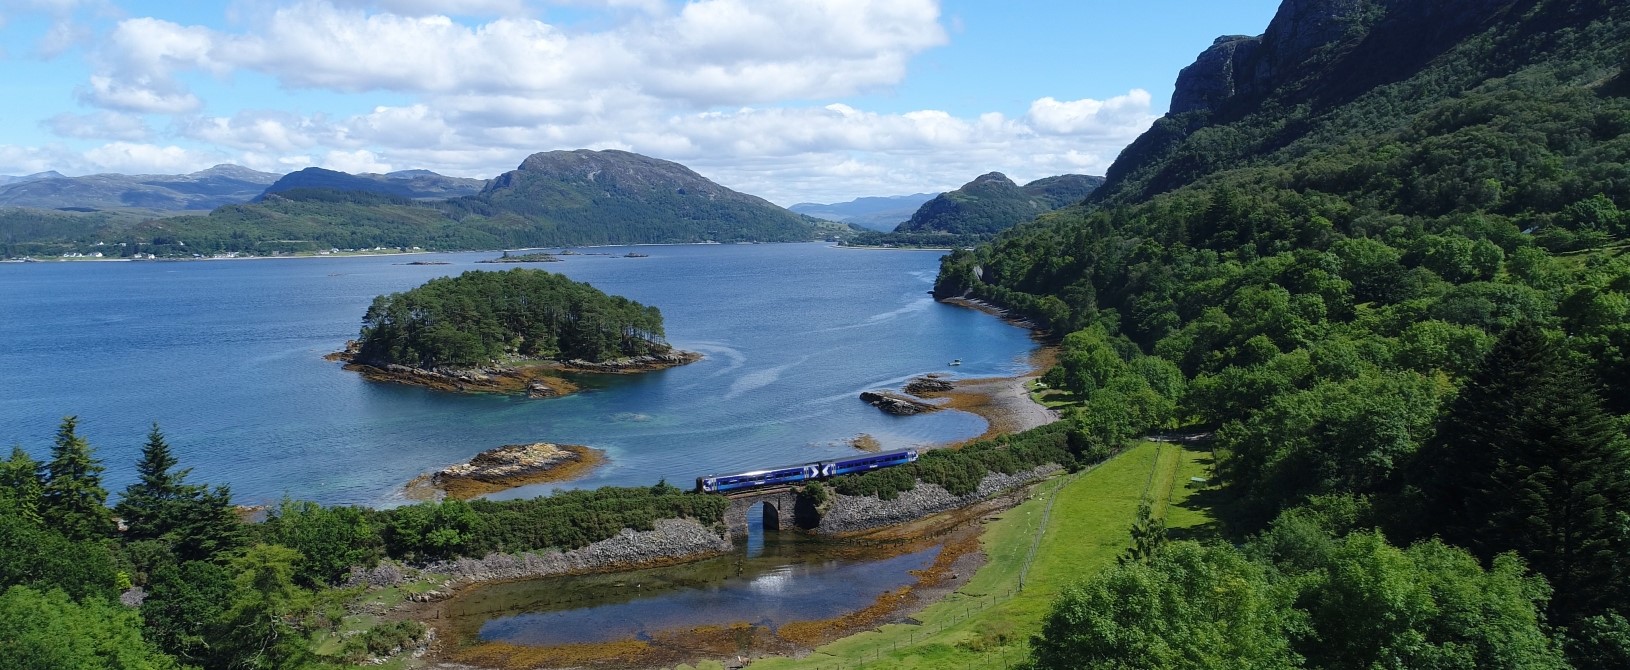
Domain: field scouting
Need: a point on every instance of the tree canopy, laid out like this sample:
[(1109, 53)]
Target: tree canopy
[(479, 318)]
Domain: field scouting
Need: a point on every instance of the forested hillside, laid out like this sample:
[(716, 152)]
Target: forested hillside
[(983, 207), (1379, 251), (559, 198), (415, 184)]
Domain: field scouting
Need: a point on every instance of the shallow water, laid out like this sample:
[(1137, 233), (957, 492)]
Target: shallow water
[(792, 578), (227, 357)]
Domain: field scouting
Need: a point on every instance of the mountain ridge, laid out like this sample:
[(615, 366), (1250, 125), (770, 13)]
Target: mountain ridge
[(205, 189)]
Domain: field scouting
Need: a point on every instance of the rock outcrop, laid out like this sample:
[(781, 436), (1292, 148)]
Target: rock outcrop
[(515, 465), (928, 384), (1313, 33), (636, 364), (896, 404)]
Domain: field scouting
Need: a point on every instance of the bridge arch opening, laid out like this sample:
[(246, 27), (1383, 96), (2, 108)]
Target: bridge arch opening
[(763, 517)]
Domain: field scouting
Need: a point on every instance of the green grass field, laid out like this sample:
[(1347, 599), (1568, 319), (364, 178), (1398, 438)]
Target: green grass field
[(987, 624)]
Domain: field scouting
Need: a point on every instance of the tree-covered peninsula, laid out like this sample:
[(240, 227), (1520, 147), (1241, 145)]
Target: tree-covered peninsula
[(499, 331)]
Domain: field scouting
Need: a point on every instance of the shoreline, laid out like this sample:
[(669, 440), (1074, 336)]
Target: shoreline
[(59, 259), (957, 533), (535, 380), (1007, 407)]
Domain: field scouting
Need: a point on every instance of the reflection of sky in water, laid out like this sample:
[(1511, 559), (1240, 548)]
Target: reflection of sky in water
[(782, 594), (230, 354), (771, 584)]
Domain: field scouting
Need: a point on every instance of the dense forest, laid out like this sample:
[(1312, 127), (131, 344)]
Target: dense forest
[(1388, 274), (981, 208), (216, 592), (479, 318)]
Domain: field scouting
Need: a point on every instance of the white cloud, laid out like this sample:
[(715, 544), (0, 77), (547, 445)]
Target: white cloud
[(99, 125), (744, 91), (257, 131), (443, 7), (16, 160), (141, 94), (710, 52), (361, 160), (137, 158), (1087, 116)]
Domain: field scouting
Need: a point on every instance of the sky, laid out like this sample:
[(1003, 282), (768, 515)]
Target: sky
[(791, 100)]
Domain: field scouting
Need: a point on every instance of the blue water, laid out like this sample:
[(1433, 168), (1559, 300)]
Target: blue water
[(768, 593), (227, 357)]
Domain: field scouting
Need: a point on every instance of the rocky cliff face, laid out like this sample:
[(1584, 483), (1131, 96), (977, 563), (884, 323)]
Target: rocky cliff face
[(1211, 78), (1305, 36)]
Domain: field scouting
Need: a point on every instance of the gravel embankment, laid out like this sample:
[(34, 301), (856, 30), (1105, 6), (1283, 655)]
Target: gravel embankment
[(672, 540), (849, 514)]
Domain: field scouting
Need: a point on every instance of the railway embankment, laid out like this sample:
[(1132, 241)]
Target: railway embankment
[(670, 541), (845, 515)]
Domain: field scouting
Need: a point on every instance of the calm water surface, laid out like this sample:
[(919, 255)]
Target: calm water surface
[(793, 579), (227, 357)]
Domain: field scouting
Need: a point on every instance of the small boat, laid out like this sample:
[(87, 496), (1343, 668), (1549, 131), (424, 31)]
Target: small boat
[(957, 362)]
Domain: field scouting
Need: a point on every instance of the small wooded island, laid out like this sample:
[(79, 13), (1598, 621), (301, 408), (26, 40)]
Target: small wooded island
[(506, 332)]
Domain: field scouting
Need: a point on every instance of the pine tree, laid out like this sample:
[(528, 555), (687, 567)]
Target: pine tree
[(195, 519), (1148, 536), (20, 484), (1527, 460), (74, 501), (147, 504)]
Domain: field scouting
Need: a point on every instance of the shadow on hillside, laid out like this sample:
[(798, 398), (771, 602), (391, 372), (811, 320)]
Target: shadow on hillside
[(1209, 499)]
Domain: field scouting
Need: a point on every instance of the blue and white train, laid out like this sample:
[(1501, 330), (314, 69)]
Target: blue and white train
[(794, 474)]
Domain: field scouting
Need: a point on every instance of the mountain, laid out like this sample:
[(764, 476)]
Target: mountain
[(206, 189), (559, 198), (1350, 249), (875, 213), (611, 197), (992, 203), (9, 179), (414, 184)]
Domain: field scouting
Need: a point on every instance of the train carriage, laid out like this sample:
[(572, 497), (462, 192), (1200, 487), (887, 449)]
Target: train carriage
[(794, 474)]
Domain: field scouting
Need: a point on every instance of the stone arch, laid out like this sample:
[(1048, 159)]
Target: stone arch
[(772, 517)]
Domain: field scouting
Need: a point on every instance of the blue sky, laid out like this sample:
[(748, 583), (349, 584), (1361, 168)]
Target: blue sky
[(794, 100)]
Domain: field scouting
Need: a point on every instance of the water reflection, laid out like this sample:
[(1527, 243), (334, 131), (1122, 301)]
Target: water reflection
[(791, 578)]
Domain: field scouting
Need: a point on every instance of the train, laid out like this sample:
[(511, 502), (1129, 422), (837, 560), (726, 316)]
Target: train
[(794, 474)]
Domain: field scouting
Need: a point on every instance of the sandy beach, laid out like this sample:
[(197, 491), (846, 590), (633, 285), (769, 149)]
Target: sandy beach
[(1004, 402)]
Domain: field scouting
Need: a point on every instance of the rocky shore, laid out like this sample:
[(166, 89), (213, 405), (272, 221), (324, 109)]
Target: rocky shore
[(896, 404), (535, 379), (636, 364), (507, 467)]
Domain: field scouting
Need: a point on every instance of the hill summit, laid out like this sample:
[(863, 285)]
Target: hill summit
[(992, 203)]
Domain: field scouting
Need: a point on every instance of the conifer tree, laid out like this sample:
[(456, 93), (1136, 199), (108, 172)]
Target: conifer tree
[(20, 484), (196, 519), (1148, 536), (74, 501), (146, 503), (1527, 460)]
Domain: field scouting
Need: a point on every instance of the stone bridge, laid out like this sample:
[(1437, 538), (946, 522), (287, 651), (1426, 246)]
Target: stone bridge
[(782, 510)]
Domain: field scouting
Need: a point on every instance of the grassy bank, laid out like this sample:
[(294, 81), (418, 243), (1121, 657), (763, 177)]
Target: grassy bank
[(986, 623)]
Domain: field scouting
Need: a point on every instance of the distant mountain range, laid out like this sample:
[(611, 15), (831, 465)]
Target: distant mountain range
[(203, 190), (6, 179), (557, 198), (875, 213), (414, 184)]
